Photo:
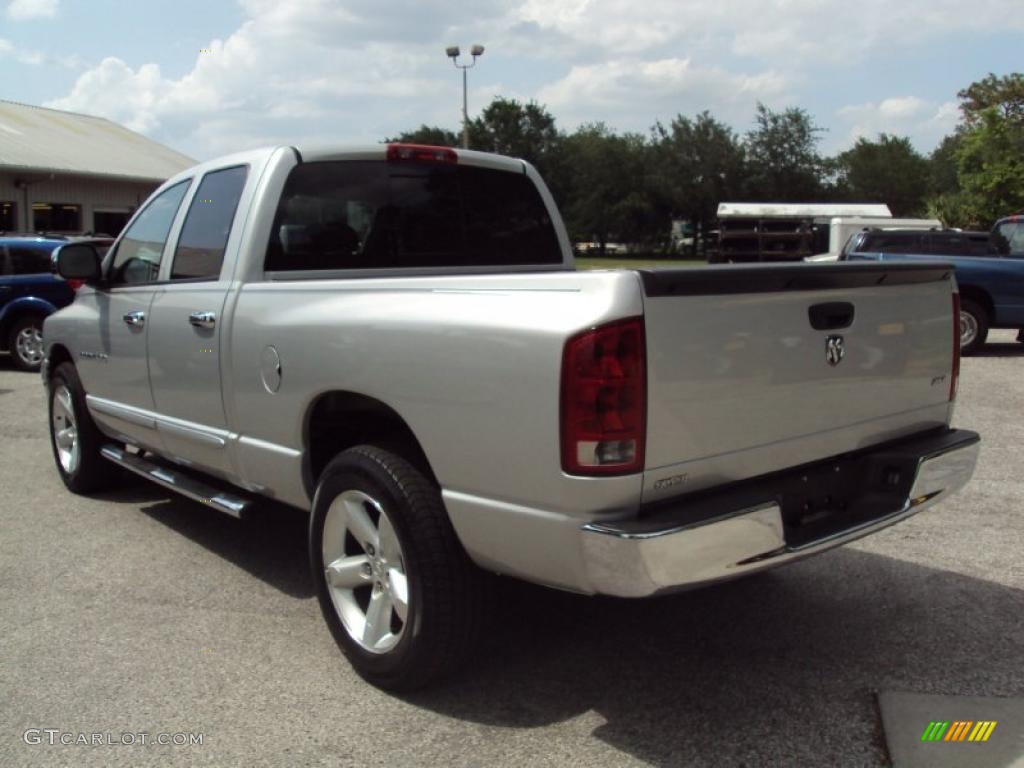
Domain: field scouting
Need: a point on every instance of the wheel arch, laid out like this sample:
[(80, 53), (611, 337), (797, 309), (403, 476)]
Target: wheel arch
[(979, 296), (340, 419), (20, 308), (57, 355)]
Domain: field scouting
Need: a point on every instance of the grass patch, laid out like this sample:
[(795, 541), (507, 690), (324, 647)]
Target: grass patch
[(619, 263)]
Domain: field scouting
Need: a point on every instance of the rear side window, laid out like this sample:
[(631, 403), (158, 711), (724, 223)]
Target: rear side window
[(884, 242), (979, 245), (947, 244), (19, 260), (378, 215), (204, 235)]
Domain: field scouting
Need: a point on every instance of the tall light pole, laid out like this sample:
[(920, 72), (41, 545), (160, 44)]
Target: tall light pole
[(453, 53)]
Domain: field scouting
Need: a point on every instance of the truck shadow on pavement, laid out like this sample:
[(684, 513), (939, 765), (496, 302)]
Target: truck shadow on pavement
[(1001, 349), (271, 545), (784, 664), (780, 668)]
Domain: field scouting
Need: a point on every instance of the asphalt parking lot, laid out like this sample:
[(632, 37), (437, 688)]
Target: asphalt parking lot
[(139, 611)]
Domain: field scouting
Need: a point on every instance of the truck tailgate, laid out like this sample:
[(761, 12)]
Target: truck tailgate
[(739, 378)]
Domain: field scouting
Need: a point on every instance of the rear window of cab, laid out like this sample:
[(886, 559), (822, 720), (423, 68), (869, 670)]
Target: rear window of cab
[(358, 214)]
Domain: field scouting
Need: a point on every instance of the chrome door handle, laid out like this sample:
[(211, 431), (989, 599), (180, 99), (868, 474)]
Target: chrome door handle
[(203, 319), (135, 318)]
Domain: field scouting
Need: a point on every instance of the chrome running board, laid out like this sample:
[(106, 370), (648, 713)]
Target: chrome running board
[(178, 481)]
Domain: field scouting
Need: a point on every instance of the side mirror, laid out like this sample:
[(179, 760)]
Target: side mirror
[(79, 261)]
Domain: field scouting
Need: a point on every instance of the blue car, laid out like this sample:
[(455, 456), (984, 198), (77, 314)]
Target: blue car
[(991, 285), (29, 291)]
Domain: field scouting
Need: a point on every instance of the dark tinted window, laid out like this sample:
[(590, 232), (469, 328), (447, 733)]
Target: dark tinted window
[(947, 244), (376, 215), (137, 258), (979, 245), (204, 234), (27, 261), (892, 242), (23, 260), (56, 217)]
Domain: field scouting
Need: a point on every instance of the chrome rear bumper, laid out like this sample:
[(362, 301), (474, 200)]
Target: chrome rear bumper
[(630, 559)]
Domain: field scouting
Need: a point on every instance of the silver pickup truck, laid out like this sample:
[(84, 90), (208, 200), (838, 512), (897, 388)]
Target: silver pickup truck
[(396, 339)]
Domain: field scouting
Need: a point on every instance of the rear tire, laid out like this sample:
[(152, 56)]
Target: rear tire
[(398, 592), (25, 343), (974, 324), (74, 436)]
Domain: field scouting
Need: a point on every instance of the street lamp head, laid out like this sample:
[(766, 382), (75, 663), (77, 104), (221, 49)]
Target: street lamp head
[(452, 51), (477, 50)]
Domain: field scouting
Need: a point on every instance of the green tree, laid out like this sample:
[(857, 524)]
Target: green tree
[(429, 134), (519, 130), (942, 167), (609, 192), (782, 157), (887, 171), (700, 163), (990, 166), (977, 172), (1005, 94)]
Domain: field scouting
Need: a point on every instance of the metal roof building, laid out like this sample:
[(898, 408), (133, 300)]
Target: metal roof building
[(69, 172)]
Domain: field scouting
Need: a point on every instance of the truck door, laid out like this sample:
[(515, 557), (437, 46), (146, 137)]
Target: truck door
[(186, 326), (112, 351)]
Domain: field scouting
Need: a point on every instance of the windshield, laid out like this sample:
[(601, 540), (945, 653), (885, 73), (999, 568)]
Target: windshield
[(1008, 238)]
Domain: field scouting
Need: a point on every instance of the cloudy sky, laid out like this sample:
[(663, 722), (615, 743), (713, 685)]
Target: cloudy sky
[(214, 76)]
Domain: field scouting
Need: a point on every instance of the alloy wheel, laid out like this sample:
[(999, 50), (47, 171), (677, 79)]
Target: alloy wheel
[(365, 571)]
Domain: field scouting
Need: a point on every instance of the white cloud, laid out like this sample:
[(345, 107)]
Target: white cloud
[(631, 94), (924, 121), (359, 70), (785, 32), (21, 55), (32, 9), (114, 90)]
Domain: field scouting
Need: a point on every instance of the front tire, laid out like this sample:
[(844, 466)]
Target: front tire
[(74, 437), (973, 326), (399, 594), (25, 343)]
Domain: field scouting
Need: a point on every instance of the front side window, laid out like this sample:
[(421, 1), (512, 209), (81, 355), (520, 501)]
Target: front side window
[(137, 258), (1008, 238), (204, 235), (378, 215)]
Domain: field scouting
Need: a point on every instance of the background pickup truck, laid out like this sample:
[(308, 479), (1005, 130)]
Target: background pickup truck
[(991, 285), (395, 338)]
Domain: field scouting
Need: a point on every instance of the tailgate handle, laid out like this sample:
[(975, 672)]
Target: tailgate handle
[(831, 316)]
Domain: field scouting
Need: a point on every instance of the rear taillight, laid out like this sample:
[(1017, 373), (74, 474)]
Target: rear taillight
[(604, 394), (954, 379), (421, 153), (74, 285)]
